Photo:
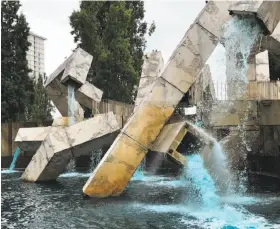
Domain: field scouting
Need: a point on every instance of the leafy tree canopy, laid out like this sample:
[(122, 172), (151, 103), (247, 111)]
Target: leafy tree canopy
[(113, 32)]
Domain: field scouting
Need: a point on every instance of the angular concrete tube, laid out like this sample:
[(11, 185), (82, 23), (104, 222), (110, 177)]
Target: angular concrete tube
[(114, 172), (30, 139), (62, 143), (169, 139)]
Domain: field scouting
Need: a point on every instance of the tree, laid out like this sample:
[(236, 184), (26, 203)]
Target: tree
[(41, 107), (17, 87), (113, 32)]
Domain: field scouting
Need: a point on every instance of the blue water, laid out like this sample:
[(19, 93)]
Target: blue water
[(13, 164), (204, 208), (201, 181)]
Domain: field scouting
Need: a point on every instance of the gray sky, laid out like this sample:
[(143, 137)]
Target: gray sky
[(50, 19)]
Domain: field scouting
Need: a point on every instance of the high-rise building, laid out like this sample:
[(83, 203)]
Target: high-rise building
[(35, 55)]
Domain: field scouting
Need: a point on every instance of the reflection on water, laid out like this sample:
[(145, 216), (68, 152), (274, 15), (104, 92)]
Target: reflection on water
[(149, 202)]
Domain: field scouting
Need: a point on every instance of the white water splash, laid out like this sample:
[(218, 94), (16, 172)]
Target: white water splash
[(71, 104)]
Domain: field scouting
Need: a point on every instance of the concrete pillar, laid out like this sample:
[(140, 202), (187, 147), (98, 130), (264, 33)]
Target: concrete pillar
[(126, 153), (151, 69)]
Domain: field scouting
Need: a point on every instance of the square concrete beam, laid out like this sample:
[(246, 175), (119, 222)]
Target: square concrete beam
[(266, 11), (77, 67), (88, 93), (63, 143), (167, 136), (116, 168), (158, 105), (94, 133), (30, 139)]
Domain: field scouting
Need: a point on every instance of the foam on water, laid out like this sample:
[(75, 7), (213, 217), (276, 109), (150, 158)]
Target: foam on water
[(208, 210), (75, 174), (7, 171), (201, 181)]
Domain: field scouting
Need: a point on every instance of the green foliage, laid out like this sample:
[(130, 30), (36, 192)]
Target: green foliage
[(41, 107), (17, 87), (113, 32)]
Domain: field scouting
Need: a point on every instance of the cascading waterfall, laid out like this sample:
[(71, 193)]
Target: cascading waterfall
[(241, 33), (71, 104), (95, 159), (71, 167), (201, 180), (13, 164)]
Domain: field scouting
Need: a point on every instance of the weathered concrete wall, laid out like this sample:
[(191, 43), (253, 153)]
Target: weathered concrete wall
[(262, 67), (258, 112)]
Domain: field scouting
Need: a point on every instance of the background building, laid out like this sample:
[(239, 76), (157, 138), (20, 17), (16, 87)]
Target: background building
[(35, 55)]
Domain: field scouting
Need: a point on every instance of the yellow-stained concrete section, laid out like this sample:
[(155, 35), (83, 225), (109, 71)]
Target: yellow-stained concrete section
[(169, 139), (116, 168), (157, 107), (61, 121), (177, 158), (146, 123), (168, 136)]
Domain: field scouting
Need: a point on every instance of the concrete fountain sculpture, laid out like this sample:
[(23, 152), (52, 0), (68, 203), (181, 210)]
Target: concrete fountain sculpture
[(152, 127), (68, 137), (145, 125)]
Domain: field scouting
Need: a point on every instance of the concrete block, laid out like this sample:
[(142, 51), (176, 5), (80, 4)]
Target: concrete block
[(214, 16), (62, 143), (167, 136), (88, 93), (77, 67), (262, 66), (153, 64), (50, 159), (92, 133), (30, 139), (276, 33), (269, 113), (116, 168), (266, 11), (146, 123), (151, 69), (145, 86), (231, 113)]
